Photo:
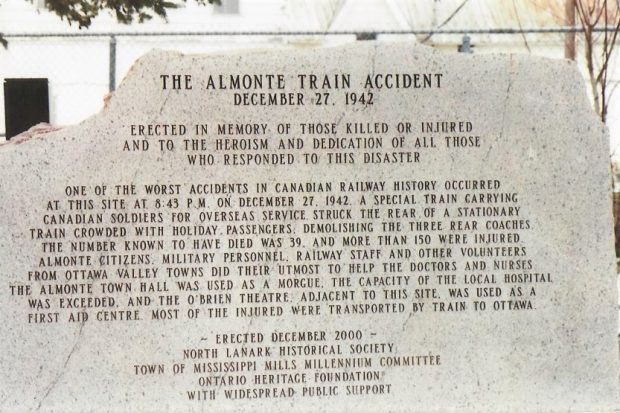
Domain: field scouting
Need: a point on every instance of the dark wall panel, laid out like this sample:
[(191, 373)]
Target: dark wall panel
[(26, 103)]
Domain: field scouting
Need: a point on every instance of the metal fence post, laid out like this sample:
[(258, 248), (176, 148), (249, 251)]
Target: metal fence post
[(466, 46), (112, 66)]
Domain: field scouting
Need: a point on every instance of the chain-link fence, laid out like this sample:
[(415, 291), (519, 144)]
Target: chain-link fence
[(83, 67)]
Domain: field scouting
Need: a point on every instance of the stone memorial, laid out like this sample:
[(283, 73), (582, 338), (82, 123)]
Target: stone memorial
[(376, 227)]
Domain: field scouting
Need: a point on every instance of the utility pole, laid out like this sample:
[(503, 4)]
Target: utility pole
[(569, 37)]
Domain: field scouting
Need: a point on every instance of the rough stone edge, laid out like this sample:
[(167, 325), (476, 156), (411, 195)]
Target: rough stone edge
[(36, 132)]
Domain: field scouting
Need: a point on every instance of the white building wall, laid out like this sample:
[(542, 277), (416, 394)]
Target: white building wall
[(78, 68)]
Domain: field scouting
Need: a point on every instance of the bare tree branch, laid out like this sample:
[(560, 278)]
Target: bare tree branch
[(514, 7), (450, 17), (599, 48)]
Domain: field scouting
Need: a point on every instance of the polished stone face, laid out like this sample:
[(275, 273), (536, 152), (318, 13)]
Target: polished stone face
[(377, 227)]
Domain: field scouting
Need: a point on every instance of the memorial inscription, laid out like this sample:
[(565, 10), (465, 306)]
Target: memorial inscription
[(366, 228)]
